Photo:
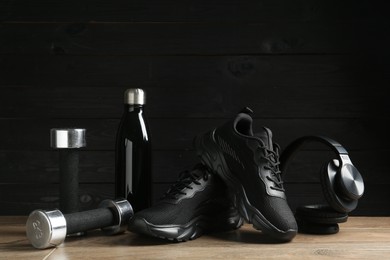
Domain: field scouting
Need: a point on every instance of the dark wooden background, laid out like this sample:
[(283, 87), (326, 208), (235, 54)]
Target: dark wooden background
[(304, 67)]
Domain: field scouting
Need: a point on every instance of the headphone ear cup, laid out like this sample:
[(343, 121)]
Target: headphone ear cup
[(316, 229), (321, 214), (327, 178), (319, 219)]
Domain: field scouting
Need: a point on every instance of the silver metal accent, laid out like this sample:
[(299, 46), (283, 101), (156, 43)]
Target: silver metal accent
[(46, 228), (351, 182), (123, 213), (332, 181), (135, 96), (67, 138)]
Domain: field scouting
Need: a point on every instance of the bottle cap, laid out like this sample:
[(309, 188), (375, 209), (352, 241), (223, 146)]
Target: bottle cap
[(135, 96)]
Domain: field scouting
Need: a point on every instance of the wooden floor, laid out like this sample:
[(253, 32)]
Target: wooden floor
[(359, 238)]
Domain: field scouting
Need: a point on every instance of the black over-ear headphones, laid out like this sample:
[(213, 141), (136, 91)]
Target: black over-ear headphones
[(341, 183)]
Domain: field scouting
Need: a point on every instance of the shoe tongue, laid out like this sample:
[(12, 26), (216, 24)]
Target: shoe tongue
[(189, 174), (266, 137), (185, 178)]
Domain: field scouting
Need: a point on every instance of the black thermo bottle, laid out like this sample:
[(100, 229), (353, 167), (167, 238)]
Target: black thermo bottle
[(133, 177)]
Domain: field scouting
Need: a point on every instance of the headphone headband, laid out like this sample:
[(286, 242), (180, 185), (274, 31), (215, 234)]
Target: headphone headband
[(293, 148), (341, 183)]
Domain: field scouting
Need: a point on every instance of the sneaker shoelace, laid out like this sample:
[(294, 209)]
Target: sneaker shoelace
[(186, 178), (273, 165)]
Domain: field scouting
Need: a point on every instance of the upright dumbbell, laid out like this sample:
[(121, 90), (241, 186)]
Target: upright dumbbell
[(46, 229), (67, 141)]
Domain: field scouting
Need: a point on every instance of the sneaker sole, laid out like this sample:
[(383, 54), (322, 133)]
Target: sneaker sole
[(189, 231), (174, 233), (207, 150)]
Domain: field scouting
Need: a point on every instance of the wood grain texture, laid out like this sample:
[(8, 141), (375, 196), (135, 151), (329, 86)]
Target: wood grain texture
[(98, 166), (190, 11), (211, 101), (359, 238), (233, 72), (93, 38), (178, 133)]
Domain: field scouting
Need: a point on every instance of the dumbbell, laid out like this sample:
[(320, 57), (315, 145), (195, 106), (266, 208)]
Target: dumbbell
[(46, 229), (68, 141)]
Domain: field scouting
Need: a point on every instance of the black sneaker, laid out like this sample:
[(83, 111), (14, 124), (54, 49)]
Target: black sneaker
[(196, 204), (249, 165)]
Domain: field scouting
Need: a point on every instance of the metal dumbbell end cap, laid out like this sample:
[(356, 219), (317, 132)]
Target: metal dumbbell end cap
[(46, 228), (123, 212), (67, 138)]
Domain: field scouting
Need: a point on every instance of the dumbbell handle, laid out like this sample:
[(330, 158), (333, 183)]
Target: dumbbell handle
[(49, 228), (69, 180), (89, 220)]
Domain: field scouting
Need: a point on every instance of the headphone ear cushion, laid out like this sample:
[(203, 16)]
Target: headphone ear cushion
[(321, 214), (319, 219), (316, 229), (335, 201)]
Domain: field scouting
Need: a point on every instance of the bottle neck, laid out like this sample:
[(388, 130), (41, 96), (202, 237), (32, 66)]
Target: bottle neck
[(133, 108)]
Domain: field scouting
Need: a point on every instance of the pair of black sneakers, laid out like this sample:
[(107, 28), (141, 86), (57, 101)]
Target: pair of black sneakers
[(238, 179)]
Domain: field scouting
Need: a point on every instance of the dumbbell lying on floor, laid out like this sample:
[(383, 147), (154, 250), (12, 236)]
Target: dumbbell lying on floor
[(49, 228)]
